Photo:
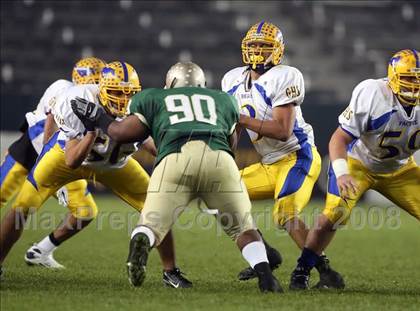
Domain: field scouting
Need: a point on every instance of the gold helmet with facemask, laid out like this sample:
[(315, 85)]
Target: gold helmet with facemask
[(404, 76), (270, 40), (118, 83)]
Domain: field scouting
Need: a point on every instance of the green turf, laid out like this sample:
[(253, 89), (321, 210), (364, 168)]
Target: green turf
[(381, 268)]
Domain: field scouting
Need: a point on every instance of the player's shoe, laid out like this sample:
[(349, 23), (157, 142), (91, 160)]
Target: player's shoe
[(1, 272), (300, 279), (176, 279), (137, 259), (328, 278), (36, 256), (267, 282), (274, 259)]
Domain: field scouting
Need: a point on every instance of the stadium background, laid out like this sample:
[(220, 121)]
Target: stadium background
[(335, 44)]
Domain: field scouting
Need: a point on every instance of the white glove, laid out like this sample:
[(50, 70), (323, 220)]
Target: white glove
[(63, 196)]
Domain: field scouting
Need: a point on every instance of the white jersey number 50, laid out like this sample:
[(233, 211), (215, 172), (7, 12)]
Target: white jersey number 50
[(189, 109)]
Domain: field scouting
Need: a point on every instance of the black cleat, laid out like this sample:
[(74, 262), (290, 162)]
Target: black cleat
[(274, 258), (175, 279), (299, 279), (1, 272), (267, 282), (137, 259), (328, 278)]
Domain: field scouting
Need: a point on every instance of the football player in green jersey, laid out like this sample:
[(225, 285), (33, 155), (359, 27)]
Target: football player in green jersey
[(194, 131)]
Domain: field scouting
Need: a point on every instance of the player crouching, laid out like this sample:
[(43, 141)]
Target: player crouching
[(372, 149)]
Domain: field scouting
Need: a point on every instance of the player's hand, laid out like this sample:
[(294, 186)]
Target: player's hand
[(87, 112), (347, 186)]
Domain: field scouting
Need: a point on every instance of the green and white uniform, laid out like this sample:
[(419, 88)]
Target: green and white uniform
[(191, 128), (175, 116)]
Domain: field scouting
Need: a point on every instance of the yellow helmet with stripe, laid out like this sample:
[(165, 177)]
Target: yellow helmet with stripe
[(263, 44), (118, 83), (404, 76), (87, 70)]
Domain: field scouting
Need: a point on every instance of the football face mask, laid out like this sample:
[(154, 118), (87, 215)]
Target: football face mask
[(404, 76), (118, 83)]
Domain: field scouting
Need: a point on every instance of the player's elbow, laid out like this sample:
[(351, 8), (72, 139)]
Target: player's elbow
[(284, 134), (72, 162)]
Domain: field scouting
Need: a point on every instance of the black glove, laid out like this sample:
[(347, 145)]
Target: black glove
[(88, 112)]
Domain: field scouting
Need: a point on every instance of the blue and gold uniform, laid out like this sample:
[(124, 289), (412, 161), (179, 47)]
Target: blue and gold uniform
[(108, 162), (289, 169), (22, 154), (386, 135)]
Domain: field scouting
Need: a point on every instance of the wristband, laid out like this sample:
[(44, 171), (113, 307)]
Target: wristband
[(340, 167)]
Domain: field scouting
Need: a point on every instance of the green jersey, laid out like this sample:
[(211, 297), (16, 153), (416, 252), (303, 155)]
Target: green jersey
[(176, 116)]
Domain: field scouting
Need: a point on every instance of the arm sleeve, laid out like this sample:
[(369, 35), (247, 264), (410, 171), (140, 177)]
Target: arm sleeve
[(234, 113), (288, 88), (142, 107), (354, 119)]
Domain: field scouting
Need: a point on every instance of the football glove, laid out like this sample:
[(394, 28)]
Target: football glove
[(87, 112)]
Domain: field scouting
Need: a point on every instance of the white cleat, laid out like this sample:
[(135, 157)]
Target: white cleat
[(35, 256)]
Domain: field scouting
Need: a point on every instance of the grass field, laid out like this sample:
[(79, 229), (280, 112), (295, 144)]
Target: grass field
[(381, 267)]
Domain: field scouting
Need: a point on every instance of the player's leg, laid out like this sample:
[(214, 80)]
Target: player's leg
[(130, 183), (230, 198), (169, 193), (83, 210), (296, 178), (336, 213), (260, 181), (45, 178), (13, 175), (402, 188), (20, 159)]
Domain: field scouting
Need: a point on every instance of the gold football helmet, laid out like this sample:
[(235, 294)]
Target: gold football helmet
[(262, 45), (118, 83), (404, 76), (87, 70)]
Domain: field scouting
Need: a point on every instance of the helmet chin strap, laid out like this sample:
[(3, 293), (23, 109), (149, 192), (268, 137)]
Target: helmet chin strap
[(262, 68)]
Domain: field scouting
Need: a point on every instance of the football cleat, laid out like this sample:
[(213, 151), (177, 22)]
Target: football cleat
[(300, 279), (262, 39), (267, 282), (35, 256), (118, 83), (87, 70), (274, 259), (175, 279), (328, 278), (404, 76), (137, 259)]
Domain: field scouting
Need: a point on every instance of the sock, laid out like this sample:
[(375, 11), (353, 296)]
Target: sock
[(255, 253), (145, 230), (49, 243), (307, 259)]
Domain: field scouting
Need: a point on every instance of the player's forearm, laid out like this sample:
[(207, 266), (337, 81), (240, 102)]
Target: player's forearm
[(50, 128), (76, 152), (338, 145), (267, 128)]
